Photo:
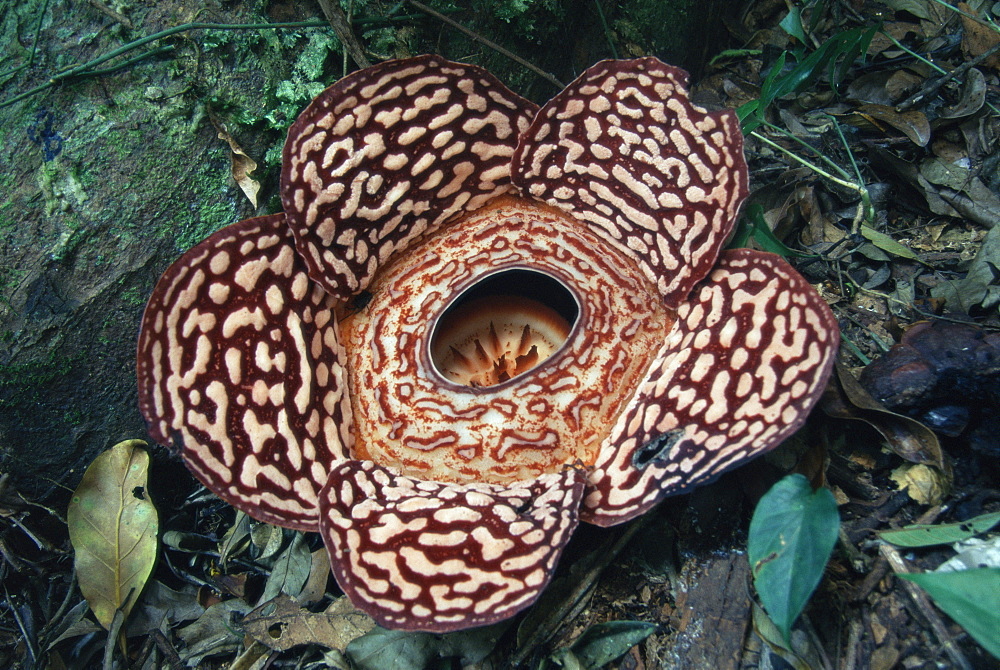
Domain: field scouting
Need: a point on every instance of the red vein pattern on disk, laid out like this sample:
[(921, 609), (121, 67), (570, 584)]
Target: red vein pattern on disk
[(478, 323)]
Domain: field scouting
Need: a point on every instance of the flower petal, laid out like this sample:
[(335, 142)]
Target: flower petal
[(388, 153), (424, 555), (744, 364), (623, 149), (239, 367)]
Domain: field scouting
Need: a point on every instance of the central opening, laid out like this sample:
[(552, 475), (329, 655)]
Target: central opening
[(501, 327)]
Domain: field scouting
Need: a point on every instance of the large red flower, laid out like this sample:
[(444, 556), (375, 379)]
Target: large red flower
[(477, 323)]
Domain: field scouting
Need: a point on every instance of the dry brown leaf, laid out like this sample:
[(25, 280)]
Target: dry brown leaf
[(977, 38), (909, 439), (913, 124), (283, 623), (924, 484), (241, 166)]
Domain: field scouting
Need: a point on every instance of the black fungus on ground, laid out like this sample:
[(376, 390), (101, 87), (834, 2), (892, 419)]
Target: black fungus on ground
[(946, 375)]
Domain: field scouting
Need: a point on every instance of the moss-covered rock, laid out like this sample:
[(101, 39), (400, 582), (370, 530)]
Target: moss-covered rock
[(105, 179)]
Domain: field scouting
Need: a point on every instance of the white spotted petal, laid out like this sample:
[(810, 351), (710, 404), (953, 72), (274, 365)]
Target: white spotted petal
[(746, 360), (240, 368), (433, 556), (623, 150), (389, 153)]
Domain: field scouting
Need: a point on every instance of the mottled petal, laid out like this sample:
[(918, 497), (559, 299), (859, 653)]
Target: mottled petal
[(239, 367), (744, 364), (390, 152), (424, 555), (623, 149)]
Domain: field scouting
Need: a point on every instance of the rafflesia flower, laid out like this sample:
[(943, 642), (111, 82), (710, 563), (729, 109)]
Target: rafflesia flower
[(477, 323)]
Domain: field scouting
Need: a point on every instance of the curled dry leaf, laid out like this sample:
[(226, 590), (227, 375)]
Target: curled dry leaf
[(979, 287), (923, 484), (913, 124), (241, 165), (978, 37), (113, 528), (283, 623), (909, 439)]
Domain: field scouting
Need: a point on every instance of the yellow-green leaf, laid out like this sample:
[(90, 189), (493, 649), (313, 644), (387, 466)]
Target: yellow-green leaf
[(113, 526), (887, 244)]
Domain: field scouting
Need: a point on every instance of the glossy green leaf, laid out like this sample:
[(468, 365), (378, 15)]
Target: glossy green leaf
[(792, 533), (383, 649), (604, 642), (792, 24), (833, 58), (887, 244), (755, 225), (113, 528), (946, 533), (971, 598)]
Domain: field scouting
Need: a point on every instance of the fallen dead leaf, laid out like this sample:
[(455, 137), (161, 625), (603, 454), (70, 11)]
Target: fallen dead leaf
[(113, 528), (241, 165), (283, 623), (924, 484), (977, 38)]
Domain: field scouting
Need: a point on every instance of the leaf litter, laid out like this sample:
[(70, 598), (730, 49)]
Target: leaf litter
[(895, 103)]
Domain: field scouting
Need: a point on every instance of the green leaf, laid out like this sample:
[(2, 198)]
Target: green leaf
[(834, 57), (926, 536), (971, 598), (792, 24), (383, 649), (792, 533), (113, 527), (604, 642), (754, 225), (887, 244)]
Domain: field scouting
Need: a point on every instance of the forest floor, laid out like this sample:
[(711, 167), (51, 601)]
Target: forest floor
[(873, 140)]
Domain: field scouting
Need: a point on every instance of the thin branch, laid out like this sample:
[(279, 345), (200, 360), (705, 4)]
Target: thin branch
[(338, 20), (492, 45), (83, 70)]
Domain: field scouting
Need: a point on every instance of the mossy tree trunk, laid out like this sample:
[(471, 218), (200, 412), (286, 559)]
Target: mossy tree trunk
[(107, 177)]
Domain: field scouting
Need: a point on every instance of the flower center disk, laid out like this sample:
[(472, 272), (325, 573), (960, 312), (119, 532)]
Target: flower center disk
[(488, 340), (463, 378)]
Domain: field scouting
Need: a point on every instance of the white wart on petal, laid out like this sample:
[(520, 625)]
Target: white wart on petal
[(239, 368), (389, 153), (423, 555), (748, 357), (624, 150)]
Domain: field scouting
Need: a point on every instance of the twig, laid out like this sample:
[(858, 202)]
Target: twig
[(931, 87), (545, 628), (104, 9), (604, 26), (492, 45), (83, 70), (338, 20), (923, 604)]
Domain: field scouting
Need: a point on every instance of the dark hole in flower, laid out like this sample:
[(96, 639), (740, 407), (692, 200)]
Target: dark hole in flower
[(657, 449), (502, 326)]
